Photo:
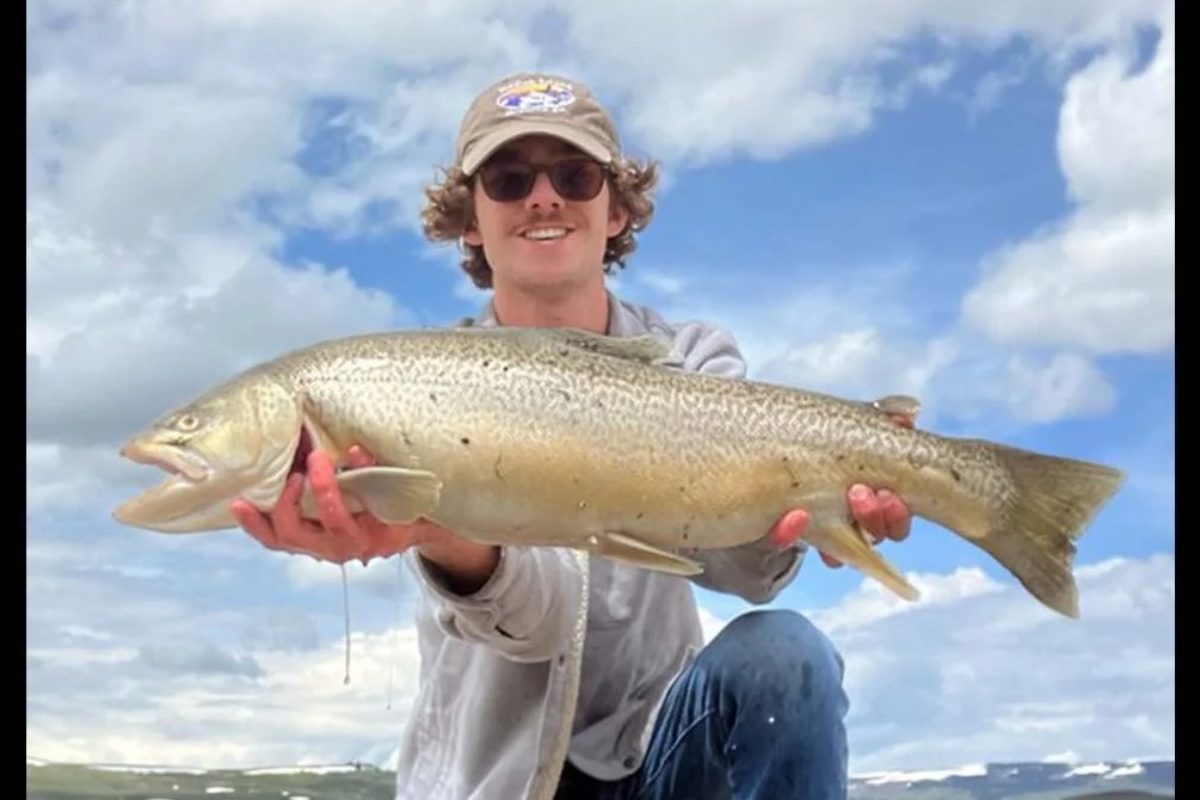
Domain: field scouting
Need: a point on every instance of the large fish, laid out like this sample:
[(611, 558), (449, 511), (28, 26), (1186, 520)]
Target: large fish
[(561, 437)]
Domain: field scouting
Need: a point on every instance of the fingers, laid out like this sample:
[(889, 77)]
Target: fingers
[(791, 526), (331, 507), (830, 561), (897, 517), (254, 523), (882, 514), (867, 510)]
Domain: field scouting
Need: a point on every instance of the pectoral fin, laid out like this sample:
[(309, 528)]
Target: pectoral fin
[(621, 547), (393, 494), (848, 544)]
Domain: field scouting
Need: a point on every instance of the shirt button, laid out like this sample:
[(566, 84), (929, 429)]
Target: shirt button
[(628, 762)]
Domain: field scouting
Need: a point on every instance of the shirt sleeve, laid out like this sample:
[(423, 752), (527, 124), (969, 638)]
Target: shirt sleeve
[(525, 610)]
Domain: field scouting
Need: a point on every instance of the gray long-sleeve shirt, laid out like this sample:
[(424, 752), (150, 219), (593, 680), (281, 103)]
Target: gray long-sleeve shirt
[(494, 663)]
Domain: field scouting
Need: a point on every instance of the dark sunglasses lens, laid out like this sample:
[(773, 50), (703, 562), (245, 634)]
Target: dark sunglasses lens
[(577, 179), (507, 182)]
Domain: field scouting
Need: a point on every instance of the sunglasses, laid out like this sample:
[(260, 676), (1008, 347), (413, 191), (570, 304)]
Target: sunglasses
[(575, 179)]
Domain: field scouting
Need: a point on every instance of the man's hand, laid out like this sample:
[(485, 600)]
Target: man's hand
[(340, 536), (882, 514)]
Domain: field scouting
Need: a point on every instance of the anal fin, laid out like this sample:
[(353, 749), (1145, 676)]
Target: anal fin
[(848, 544), (628, 549)]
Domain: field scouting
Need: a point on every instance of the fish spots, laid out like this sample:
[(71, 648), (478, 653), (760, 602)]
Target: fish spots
[(955, 475), (465, 440), (496, 467)]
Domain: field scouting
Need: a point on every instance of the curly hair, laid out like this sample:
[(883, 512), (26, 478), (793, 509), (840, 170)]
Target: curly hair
[(450, 211)]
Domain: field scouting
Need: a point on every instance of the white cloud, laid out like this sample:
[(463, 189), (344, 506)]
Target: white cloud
[(775, 77), (382, 577), (971, 693), (1102, 279), (292, 708), (976, 671), (135, 656), (178, 315), (170, 151), (955, 375)]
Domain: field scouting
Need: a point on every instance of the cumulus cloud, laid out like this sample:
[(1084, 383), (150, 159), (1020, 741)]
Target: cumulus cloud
[(171, 153), (1103, 685), (762, 79), (197, 658), (275, 707), (135, 657), (382, 578), (176, 316), (1103, 278), (947, 680)]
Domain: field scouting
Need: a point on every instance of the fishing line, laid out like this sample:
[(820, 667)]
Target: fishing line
[(346, 609)]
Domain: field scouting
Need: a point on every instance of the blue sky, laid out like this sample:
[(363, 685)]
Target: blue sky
[(976, 207)]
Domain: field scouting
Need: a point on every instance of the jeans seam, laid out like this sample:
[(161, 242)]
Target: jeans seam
[(671, 750)]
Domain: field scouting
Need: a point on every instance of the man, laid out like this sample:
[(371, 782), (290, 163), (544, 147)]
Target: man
[(545, 205)]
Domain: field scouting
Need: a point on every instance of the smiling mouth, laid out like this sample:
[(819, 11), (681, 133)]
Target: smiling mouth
[(545, 234)]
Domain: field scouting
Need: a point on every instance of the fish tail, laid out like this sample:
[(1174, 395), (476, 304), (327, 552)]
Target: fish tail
[(1054, 501)]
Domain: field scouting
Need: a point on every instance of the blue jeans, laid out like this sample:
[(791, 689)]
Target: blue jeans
[(759, 715)]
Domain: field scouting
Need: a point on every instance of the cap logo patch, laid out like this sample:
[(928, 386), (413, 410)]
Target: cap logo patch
[(542, 94)]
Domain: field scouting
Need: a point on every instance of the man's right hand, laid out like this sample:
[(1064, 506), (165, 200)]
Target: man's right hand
[(339, 536)]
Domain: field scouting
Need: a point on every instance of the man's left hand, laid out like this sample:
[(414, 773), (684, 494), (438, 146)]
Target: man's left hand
[(882, 514)]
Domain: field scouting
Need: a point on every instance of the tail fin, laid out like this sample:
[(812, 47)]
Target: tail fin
[(1055, 500)]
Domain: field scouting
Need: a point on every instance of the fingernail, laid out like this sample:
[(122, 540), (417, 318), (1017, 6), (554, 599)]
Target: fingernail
[(858, 493)]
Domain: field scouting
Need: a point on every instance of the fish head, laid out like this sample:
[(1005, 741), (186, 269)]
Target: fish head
[(237, 441)]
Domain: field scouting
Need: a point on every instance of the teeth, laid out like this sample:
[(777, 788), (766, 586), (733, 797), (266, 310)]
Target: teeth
[(546, 233)]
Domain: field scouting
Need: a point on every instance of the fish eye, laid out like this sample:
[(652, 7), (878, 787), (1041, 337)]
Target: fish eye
[(187, 422)]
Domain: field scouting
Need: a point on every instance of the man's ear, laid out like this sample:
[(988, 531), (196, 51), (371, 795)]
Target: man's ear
[(472, 236), (618, 218)]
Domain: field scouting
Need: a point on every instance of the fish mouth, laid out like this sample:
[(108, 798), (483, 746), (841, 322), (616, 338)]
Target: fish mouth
[(195, 495), (166, 505), (177, 462)]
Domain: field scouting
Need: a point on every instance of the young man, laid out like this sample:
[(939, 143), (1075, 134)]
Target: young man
[(545, 204)]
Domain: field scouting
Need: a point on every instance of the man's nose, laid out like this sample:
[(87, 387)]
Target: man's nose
[(543, 195)]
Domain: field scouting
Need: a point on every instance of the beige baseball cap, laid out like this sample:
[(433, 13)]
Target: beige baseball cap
[(529, 103)]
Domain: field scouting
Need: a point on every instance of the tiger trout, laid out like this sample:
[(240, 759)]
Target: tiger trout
[(559, 437)]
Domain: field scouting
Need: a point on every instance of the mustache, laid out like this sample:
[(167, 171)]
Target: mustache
[(556, 217)]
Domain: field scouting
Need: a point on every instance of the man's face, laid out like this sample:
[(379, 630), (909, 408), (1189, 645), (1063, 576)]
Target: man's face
[(542, 240)]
